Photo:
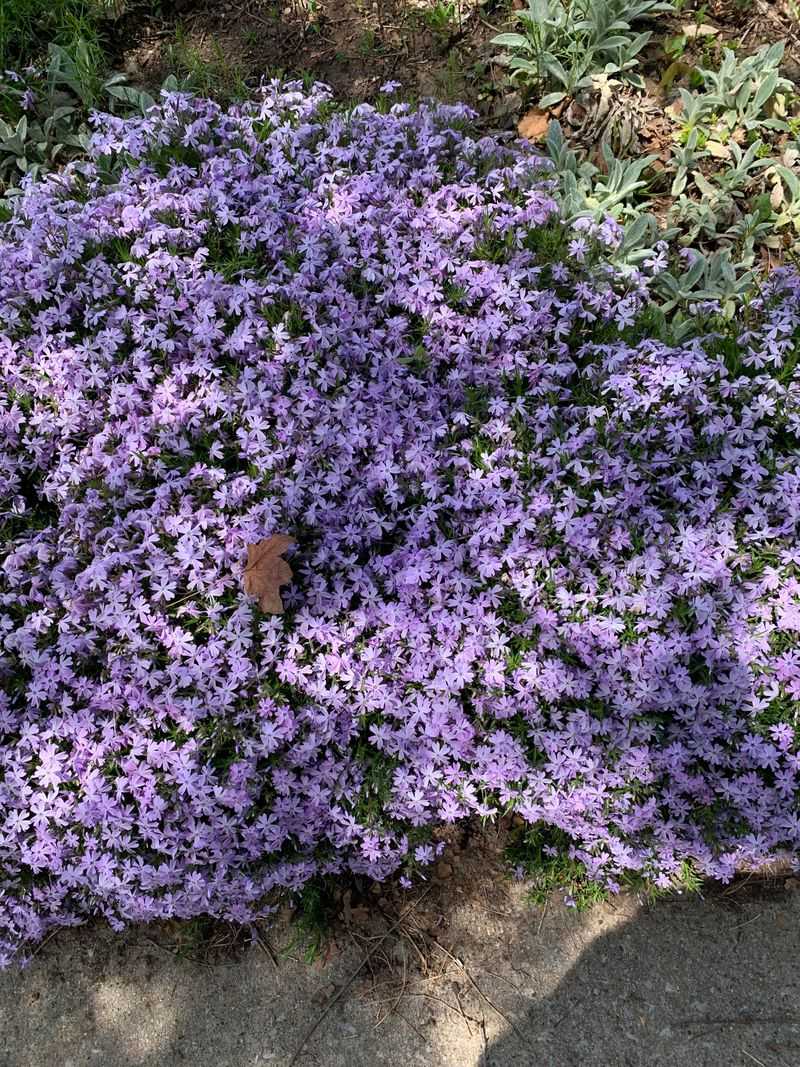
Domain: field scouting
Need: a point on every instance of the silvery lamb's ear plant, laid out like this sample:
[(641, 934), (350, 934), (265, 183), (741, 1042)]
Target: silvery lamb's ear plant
[(685, 159), (643, 239), (585, 189), (739, 91), (614, 192), (585, 192), (40, 128), (708, 279), (563, 43), (719, 191), (785, 195), (73, 71), (757, 227), (564, 158), (699, 218), (44, 113), (32, 147), (740, 173), (695, 109)]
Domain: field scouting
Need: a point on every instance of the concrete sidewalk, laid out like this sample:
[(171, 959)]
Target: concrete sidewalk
[(683, 984)]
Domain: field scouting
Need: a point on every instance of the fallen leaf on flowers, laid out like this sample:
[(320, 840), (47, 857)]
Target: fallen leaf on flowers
[(266, 572)]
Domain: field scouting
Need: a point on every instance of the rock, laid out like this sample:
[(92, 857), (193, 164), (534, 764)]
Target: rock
[(443, 870)]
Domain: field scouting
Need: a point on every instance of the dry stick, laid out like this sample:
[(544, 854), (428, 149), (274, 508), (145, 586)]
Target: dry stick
[(419, 1033), (750, 1056), (42, 943), (412, 942), (541, 921), (397, 1001), (446, 1003), (509, 983), (338, 996), (459, 1011), (742, 1020), (417, 981), (267, 949), (480, 992), (747, 922)]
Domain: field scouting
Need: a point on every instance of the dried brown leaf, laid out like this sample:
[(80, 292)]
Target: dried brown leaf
[(692, 30), (777, 196), (533, 125), (266, 572), (718, 150)]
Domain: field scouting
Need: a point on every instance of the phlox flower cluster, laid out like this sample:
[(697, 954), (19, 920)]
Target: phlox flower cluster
[(543, 563)]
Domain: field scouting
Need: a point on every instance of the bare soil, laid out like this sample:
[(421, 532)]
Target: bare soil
[(355, 46), (438, 48)]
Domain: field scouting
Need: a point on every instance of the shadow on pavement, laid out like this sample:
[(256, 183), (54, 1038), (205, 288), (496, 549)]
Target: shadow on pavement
[(688, 983)]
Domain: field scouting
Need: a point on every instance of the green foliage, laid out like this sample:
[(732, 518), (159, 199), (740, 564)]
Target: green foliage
[(28, 27), (739, 90), (564, 43), (44, 114), (586, 191), (315, 908), (785, 197), (540, 854), (732, 188), (442, 17), (712, 278)]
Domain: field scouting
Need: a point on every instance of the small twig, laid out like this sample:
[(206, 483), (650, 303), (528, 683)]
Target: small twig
[(340, 993), (510, 984), (267, 949), (254, 17), (736, 886), (743, 1020), (397, 999), (418, 1032), (747, 922), (409, 938), (162, 948), (485, 22), (45, 941), (464, 1015), (445, 1003), (750, 1056), (480, 992), (541, 921), (417, 981)]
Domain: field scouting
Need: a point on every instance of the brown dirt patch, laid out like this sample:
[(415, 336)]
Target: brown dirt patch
[(432, 47)]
